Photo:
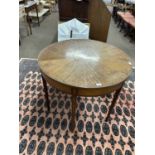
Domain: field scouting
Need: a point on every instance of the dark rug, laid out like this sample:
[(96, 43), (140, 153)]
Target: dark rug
[(47, 133)]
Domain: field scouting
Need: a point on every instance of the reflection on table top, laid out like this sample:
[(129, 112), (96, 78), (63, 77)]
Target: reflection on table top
[(85, 63)]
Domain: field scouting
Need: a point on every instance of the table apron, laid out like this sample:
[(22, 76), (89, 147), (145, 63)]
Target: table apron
[(82, 91)]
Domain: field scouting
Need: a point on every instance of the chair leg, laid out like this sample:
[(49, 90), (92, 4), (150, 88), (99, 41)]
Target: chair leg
[(19, 40), (29, 23), (132, 35), (127, 31), (122, 26), (26, 25), (119, 22)]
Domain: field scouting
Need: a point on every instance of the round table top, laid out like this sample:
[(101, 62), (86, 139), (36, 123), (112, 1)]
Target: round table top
[(85, 64)]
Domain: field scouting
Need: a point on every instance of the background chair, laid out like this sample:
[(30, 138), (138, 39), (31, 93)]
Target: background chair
[(73, 29), (23, 20)]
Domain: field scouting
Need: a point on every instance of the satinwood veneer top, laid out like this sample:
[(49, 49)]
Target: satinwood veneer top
[(85, 64)]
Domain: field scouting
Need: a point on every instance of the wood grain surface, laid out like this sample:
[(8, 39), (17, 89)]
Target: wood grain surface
[(84, 68), (85, 64)]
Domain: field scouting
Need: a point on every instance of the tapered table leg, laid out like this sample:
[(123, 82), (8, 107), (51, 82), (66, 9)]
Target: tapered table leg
[(29, 23), (37, 14), (46, 93), (113, 102), (74, 106)]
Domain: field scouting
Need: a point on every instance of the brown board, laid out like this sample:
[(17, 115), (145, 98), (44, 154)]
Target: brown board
[(99, 18)]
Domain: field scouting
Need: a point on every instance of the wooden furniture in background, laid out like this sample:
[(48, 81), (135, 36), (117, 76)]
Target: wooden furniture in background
[(84, 68), (53, 3), (23, 19), (69, 9), (94, 12), (126, 21), (22, 16), (99, 18), (28, 8), (50, 4)]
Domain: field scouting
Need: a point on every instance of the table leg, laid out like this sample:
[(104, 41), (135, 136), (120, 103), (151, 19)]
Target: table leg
[(46, 93), (113, 102), (29, 23), (37, 15), (74, 106), (26, 24)]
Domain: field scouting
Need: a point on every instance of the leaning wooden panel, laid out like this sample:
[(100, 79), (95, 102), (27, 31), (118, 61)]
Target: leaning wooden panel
[(99, 17)]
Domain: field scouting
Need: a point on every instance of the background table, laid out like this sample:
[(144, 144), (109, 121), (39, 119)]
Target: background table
[(29, 7)]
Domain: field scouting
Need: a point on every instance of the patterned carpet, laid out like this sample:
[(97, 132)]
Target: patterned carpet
[(47, 133)]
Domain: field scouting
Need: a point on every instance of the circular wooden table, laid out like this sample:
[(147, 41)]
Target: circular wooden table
[(84, 68)]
